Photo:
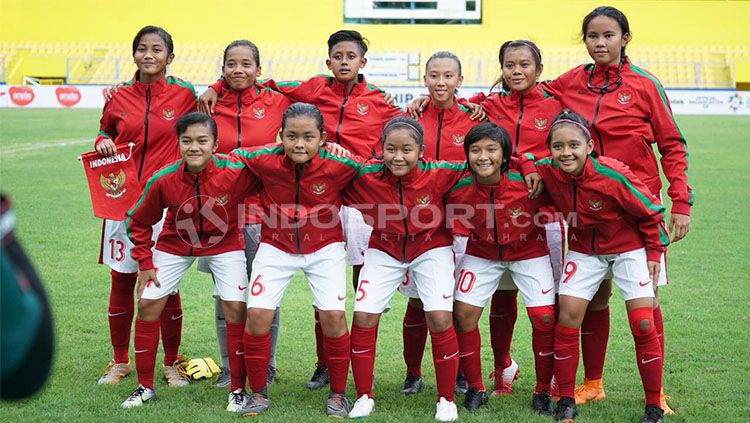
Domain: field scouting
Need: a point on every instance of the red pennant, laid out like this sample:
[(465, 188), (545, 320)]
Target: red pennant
[(113, 182)]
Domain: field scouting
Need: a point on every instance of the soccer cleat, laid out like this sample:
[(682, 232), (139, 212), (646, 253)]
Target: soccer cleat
[(114, 372), (591, 390), (319, 377), (542, 403), (474, 399), (461, 384), (412, 385), (653, 414), (362, 407), (664, 406), (140, 396), (504, 380), (270, 375), (237, 400), (337, 406), (554, 389), (446, 411), (566, 410), (175, 377), (256, 404), (223, 380)]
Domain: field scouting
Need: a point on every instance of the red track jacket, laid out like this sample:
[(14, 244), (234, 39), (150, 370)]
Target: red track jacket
[(626, 122), (501, 218), (201, 210), (145, 114), (301, 201), (444, 131), (609, 209)]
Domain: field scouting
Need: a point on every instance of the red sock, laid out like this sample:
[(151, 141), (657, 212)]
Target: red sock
[(236, 355), (319, 349), (594, 337), (145, 343), (414, 338), (543, 344), (171, 328), (445, 357), (659, 326), (470, 359), (648, 353), (566, 359), (503, 314), (121, 313), (363, 342), (337, 358), (257, 356)]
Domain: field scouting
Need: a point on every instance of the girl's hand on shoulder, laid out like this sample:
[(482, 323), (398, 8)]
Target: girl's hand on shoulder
[(534, 184), (207, 101), (477, 112), (416, 107), (336, 149), (679, 225), (110, 91)]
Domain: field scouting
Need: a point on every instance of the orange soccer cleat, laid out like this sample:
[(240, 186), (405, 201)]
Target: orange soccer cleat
[(591, 390)]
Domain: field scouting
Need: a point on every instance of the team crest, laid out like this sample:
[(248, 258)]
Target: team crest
[(362, 109), (540, 123), (624, 98), (222, 199), (424, 200), (514, 212), (259, 112), (167, 113), (319, 189), (595, 205), (113, 184), (458, 139)]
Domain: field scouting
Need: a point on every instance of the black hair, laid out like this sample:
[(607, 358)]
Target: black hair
[(348, 35), (609, 12), (535, 52), (443, 55), (407, 123), (243, 43), (570, 117), (303, 109), (496, 133), (195, 118), (151, 29)]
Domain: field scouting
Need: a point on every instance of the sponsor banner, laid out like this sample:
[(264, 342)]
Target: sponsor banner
[(684, 102)]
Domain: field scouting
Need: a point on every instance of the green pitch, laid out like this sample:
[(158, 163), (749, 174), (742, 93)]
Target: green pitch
[(706, 313)]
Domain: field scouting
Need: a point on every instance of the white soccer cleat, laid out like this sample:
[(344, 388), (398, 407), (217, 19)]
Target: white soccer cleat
[(237, 401), (504, 380), (140, 396), (446, 411), (363, 407)]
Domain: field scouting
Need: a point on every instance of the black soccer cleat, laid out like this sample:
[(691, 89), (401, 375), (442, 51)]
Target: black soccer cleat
[(565, 410), (474, 399), (653, 414), (542, 403), (461, 385), (412, 385), (319, 378)]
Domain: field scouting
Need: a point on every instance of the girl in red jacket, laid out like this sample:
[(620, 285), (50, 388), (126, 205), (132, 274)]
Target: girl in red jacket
[(247, 116), (507, 236), (445, 124), (629, 113), (202, 193), (142, 111), (615, 231), (402, 198), (302, 186)]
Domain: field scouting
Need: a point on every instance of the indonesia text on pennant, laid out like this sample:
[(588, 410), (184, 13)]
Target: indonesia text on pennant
[(113, 183)]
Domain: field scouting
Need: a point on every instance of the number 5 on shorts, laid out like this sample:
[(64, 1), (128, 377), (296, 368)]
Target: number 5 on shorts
[(361, 290)]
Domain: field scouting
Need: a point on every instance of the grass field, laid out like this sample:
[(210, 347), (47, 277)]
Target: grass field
[(706, 306)]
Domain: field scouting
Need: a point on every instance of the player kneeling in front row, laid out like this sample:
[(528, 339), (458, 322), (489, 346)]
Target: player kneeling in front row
[(618, 231), (202, 192), (506, 236)]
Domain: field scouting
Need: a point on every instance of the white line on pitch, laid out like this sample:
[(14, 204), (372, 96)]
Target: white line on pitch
[(43, 146)]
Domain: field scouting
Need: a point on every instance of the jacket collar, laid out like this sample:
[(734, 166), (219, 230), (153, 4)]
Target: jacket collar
[(155, 87), (202, 176), (534, 94), (448, 113), (611, 70), (248, 96), (359, 86), (310, 166), (408, 178)]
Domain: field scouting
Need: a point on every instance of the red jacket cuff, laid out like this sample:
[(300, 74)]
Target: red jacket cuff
[(681, 208), (653, 255), (527, 167), (146, 264)]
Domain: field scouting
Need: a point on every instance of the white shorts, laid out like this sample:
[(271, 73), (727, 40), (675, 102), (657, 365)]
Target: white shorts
[(478, 279), (356, 235), (325, 271), (409, 288), (583, 273), (116, 246), (228, 270), (431, 273)]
